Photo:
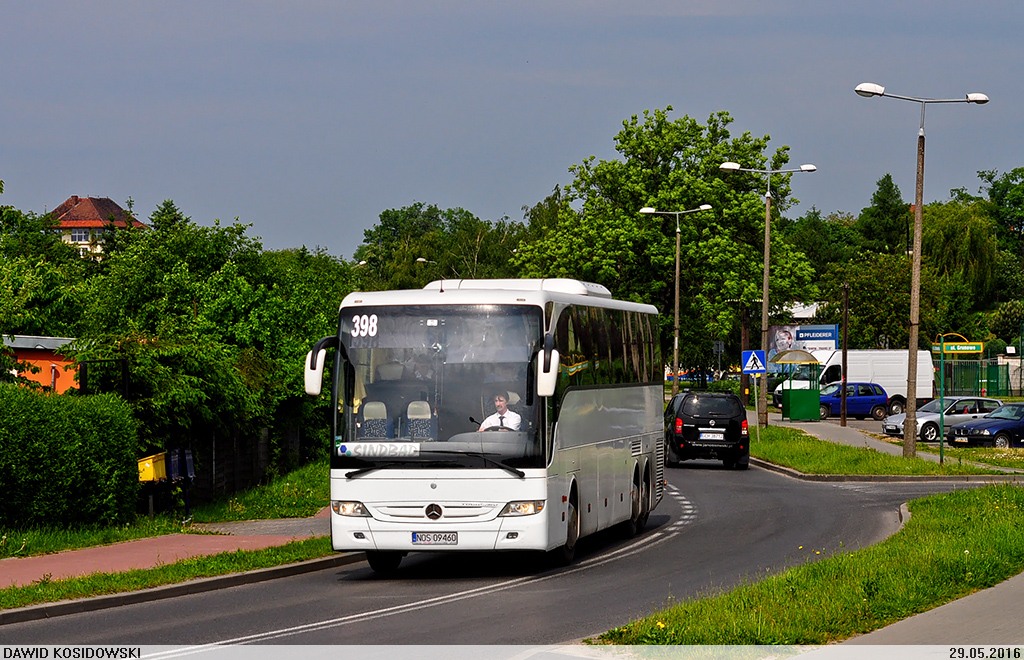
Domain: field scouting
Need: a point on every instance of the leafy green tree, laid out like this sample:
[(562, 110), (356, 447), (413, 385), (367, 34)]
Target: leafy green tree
[(542, 217), (879, 300), (1006, 194), (1006, 321), (452, 243), (824, 241), (885, 225), (214, 330), (40, 297), (596, 233), (31, 235), (959, 242)]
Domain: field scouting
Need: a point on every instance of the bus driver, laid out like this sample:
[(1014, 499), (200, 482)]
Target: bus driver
[(503, 418)]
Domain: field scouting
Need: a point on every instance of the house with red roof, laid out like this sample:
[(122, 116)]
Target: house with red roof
[(82, 221)]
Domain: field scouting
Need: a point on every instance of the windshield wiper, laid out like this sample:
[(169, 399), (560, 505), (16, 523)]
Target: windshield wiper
[(478, 454), (371, 468), (398, 464)]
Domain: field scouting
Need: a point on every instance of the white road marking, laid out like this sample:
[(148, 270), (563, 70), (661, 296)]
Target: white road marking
[(688, 514)]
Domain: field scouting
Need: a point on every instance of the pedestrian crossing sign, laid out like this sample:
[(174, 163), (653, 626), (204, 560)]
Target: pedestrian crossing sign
[(753, 362)]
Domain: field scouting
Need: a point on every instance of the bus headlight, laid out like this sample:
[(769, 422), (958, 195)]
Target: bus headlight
[(349, 508), (527, 508)]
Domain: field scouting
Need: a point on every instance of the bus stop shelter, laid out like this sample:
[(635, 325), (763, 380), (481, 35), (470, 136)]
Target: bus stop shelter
[(799, 404)]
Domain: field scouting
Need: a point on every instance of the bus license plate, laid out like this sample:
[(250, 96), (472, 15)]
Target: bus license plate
[(712, 436), (435, 538)]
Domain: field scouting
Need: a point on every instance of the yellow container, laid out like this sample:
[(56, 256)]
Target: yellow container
[(153, 468)]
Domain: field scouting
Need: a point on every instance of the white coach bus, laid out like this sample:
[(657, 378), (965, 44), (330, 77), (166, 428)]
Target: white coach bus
[(491, 415)]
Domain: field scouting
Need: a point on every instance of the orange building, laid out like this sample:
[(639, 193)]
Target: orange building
[(42, 352)]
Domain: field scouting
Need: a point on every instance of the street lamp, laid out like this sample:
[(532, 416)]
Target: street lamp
[(910, 423), (762, 396), (647, 210)]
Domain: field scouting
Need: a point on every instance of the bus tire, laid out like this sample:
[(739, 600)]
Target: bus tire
[(645, 498), (637, 510), (564, 555), (384, 562)]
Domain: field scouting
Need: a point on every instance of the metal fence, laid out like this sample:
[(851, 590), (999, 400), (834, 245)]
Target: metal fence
[(976, 377)]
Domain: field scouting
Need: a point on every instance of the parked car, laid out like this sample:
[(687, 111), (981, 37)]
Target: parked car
[(1003, 427), (707, 425), (954, 410), (862, 399)]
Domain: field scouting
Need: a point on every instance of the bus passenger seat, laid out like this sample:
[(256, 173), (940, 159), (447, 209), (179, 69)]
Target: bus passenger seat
[(375, 421), (420, 421)]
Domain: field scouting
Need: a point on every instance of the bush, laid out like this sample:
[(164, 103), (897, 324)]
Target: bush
[(66, 461), (725, 386)]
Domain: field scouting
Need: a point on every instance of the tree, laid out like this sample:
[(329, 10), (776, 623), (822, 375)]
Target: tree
[(1006, 321), (214, 331), (879, 299), (595, 232), (885, 225), (1006, 194), (31, 235), (959, 241), (824, 241), (453, 243)]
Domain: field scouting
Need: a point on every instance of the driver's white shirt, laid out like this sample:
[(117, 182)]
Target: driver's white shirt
[(512, 421)]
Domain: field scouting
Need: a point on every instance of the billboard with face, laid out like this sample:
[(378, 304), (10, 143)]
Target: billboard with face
[(803, 337)]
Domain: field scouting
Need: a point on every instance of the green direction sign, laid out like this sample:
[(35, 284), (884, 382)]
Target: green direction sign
[(959, 347)]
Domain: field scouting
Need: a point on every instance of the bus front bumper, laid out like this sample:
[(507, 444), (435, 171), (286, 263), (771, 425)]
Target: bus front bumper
[(511, 533)]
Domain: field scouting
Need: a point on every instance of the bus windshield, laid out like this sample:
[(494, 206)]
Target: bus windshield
[(438, 386)]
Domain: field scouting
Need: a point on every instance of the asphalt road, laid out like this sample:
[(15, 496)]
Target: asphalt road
[(715, 529)]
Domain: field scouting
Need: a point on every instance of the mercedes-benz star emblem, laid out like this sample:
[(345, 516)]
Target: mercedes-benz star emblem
[(433, 511), (712, 422)]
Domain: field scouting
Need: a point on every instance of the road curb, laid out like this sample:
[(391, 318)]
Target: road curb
[(890, 478), (64, 607)]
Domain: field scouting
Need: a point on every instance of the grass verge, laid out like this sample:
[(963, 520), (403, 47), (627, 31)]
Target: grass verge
[(954, 544), (795, 449), (298, 494), (1008, 458), (98, 584)]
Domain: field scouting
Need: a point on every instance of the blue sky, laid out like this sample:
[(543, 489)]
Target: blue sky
[(309, 118)]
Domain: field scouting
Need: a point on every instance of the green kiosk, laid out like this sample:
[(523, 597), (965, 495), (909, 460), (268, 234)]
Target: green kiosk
[(800, 404)]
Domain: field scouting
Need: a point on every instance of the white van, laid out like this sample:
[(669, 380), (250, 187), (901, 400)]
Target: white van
[(887, 368)]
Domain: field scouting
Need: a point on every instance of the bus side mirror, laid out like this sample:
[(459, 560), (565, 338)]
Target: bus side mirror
[(547, 374), (314, 371)]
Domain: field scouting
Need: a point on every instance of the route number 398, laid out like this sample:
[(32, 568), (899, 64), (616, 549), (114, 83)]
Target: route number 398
[(364, 326)]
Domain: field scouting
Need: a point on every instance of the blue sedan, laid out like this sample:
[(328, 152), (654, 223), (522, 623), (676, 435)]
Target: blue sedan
[(1003, 427), (862, 399)]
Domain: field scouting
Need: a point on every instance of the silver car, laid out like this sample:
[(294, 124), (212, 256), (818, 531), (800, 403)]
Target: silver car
[(954, 410)]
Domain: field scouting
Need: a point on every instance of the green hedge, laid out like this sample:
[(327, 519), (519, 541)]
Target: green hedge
[(66, 460)]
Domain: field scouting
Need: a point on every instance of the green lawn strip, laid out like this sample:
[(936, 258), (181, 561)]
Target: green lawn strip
[(30, 542), (953, 544), (795, 449), (298, 494), (49, 591), (1008, 458)]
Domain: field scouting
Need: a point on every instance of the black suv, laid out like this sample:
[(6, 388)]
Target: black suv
[(707, 425)]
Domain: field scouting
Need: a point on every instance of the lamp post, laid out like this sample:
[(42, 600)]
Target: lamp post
[(762, 395), (910, 423), (648, 210)]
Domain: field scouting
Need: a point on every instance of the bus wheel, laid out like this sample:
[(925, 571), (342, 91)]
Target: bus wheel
[(635, 524), (564, 555), (384, 562), (645, 501)]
